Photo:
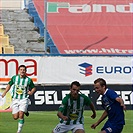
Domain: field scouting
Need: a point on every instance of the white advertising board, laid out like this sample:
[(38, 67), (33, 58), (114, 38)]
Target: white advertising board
[(63, 70)]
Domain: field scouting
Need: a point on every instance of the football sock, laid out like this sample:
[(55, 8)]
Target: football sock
[(20, 124)]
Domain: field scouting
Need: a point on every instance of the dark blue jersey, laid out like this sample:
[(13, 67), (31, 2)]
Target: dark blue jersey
[(113, 108)]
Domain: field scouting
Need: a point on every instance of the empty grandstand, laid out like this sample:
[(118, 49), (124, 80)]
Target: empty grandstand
[(18, 31)]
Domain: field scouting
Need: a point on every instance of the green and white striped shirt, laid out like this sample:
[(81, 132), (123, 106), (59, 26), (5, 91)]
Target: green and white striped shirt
[(73, 109), (20, 86)]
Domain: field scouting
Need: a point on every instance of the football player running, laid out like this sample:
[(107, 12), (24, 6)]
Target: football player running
[(22, 87), (113, 106)]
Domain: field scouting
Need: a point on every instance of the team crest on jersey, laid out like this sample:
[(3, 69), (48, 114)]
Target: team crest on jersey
[(20, 89), (73, 116), (109, 129)]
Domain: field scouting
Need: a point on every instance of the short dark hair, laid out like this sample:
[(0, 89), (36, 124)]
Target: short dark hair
[(101, 81), (75, 83), (22, 66)]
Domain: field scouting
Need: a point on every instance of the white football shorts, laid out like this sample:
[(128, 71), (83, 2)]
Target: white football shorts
[(63, 128), (19, 105)]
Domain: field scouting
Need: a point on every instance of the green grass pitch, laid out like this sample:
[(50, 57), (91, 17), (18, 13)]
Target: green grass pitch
[(44, 122)]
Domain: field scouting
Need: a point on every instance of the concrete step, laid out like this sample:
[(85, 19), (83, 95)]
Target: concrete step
[(20, 15), (21, 32), (34, 48)]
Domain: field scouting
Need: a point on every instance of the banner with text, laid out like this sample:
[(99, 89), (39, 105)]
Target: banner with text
[(63, 70), (50, 97)]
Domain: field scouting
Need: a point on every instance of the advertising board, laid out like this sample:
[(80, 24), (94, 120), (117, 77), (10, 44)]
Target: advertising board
[(63, 70), (50, 97)]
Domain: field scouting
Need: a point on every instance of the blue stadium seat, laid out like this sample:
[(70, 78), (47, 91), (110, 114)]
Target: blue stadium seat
[(41, 31), (31, 10), (50, 42), (38, 22), (53, 50)]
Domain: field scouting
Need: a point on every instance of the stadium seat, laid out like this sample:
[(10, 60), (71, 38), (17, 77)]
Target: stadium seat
[(1, 29), (41, 30), (49, 40), (31, 10), (38, 22), (33, 13), (31, 5), (4, 40), (53, 50), (0, 50), (8, 49)]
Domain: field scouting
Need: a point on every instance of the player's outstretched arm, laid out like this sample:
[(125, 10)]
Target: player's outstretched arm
[(104, 115), (93, 110), (6, 90), (32, 91)]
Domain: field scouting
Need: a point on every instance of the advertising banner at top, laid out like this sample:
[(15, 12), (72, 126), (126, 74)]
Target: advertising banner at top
[(63, 70), (89, 27)]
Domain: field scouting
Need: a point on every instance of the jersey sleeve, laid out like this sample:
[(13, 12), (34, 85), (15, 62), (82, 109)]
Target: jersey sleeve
[(63, 106), (112, 94), (11, 82), (32, 85)]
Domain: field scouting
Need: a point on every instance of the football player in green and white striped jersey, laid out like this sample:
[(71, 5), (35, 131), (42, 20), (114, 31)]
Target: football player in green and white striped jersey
[(22, 86), (71, 110)]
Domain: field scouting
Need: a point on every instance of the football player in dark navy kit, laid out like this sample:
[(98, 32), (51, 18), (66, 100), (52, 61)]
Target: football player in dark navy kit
[(113, 106)]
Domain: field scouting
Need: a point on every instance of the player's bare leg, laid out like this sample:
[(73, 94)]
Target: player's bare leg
[(21, 121), (16, 116)]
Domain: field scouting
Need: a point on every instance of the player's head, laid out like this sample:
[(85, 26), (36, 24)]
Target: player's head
[(74, 88), (100, 85), (22, 70)]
